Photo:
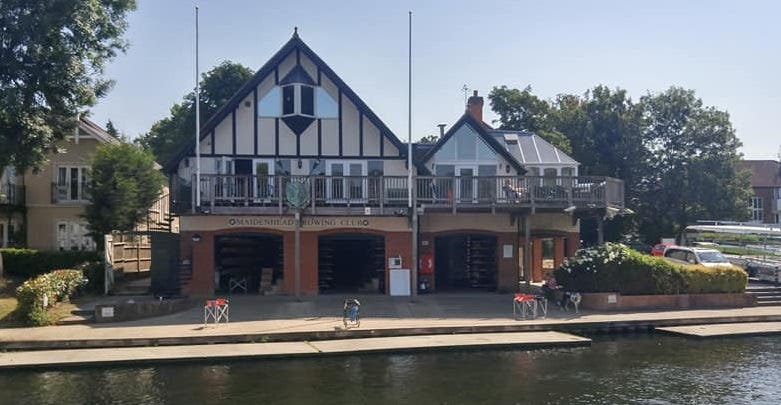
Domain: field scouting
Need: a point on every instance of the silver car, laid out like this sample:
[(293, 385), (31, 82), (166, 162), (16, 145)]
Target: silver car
[(690, 255)]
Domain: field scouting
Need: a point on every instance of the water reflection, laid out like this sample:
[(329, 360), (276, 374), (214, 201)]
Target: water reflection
[(636, 369)]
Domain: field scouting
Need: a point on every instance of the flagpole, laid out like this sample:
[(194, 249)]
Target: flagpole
[(197, 122), (412, 206)]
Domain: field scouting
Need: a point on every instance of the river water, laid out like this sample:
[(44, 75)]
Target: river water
[(643, 368)]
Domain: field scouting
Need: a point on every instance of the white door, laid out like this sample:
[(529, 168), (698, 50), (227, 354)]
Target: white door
[(346, 182), (263, 175), (466, 183)]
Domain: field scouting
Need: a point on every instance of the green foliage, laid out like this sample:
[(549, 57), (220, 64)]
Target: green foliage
[(429, 139), (614, 267), (53, 54), (522, 110), (169, 134), (678, 158), (124, 184), (56, 286), (693, 171), (30, 263), (95, 273)]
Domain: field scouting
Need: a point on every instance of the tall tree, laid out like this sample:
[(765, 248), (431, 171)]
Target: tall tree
[(111, 129), (218, 85), (693, 173), (52, 57), (522, 110), (124, 183)]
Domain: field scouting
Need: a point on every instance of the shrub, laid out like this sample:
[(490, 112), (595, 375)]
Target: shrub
[(29, 263), (56, 286), (95, 273), (616, 268)]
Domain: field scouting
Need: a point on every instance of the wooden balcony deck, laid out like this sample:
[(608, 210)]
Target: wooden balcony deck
[(388, 195)]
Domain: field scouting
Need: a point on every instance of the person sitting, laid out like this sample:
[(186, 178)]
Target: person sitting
[(549, 288)]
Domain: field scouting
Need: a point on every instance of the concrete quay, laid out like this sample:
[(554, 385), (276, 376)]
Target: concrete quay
[(166, 354), (283, 319), (725, 330)]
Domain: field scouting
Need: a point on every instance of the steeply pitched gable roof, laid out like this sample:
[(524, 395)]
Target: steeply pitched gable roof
[(294, 44), (483, 132), (96, 131)]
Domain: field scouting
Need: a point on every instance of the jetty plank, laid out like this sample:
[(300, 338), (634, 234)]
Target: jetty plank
[(160, 354), (725, 329)]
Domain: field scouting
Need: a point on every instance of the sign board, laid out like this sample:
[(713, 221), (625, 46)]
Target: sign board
[(612, 299), (507, 251), (399, 283), (107, 312)]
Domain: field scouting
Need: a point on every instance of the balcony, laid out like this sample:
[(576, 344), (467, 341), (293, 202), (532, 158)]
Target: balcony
[(388, 195), (11, 195)]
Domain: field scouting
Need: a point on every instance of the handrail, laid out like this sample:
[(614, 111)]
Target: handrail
[(453, 192)]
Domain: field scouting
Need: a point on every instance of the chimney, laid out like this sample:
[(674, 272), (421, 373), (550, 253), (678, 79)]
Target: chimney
[(441, 129), (474, 106)]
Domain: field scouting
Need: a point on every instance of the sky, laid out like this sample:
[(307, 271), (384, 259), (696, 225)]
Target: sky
[(729, 52)]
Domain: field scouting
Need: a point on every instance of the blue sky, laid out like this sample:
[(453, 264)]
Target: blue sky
[(728, 51)]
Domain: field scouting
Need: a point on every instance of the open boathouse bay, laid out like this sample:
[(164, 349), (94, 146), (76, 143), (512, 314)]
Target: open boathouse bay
[(615, 370)]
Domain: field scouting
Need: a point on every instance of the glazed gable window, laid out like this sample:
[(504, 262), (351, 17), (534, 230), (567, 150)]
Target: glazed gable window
[(298, 99)]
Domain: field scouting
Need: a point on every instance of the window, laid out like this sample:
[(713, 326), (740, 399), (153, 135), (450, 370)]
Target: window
[(72, 184), (307, 100), (296, 99), (568, 171), (269, 105), (288, 100), (327, 107), (757, 210), (72, 235)]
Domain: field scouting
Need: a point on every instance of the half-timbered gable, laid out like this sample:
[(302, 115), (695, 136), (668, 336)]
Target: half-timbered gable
[(295, 117)]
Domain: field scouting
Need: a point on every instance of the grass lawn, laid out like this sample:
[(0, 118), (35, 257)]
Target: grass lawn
[(9, 318)]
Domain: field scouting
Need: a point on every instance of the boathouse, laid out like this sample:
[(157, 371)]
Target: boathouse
[(304, 190)]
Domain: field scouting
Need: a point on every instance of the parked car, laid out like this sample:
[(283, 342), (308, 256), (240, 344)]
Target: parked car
[(658, 249), (694, 255)]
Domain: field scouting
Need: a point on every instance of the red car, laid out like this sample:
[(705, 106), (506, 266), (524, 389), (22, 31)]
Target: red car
[(658, 249)]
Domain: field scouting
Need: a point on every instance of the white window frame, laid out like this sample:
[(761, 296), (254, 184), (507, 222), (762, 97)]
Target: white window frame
[(75, 237), (297, 100), (83, 179), (757, 209), (344, 182), (261, 196)]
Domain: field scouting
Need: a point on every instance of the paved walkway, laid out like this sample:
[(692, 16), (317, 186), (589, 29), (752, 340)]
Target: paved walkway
[(276, 318)]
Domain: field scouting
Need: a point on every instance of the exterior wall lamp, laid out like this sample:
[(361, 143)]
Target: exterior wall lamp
[(196, 238)]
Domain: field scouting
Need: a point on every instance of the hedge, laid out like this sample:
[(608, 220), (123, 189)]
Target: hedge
[(56, 286), (614, 267), (29, 263)]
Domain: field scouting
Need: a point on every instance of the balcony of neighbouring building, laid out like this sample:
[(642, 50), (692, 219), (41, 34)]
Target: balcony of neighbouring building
[(388, 195), (11, 195)]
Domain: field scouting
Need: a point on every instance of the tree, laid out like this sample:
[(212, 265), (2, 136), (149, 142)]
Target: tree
[(693, 173), (520, 110), (52, 57), (429, 139), (124, 184), (111, 129), (218, 85)]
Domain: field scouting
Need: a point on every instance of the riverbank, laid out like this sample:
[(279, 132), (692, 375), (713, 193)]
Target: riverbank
[(282, 319)]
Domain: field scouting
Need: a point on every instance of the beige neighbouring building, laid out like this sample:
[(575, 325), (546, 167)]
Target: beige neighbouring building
[(44, 210)]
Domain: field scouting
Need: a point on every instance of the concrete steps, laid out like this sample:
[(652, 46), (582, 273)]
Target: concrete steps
[(766, 294)]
